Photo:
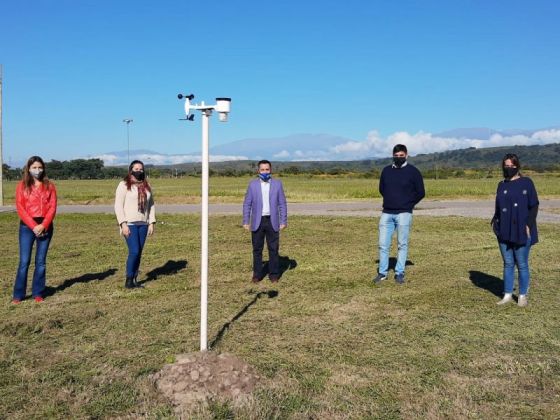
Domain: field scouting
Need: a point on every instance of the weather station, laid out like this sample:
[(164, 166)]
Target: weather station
[(222, 107)]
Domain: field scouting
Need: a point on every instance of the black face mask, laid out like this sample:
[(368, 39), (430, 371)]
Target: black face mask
[(139, 175), (510, 172), (399, 161)]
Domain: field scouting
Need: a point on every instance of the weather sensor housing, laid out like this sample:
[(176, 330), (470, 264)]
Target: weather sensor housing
[(223, 108)]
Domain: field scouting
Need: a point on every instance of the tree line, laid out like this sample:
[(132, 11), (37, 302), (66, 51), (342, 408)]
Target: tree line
[(95, 169), (463, 163), (71, 169)]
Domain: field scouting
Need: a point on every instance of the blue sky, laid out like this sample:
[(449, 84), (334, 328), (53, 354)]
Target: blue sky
[(74, 69)]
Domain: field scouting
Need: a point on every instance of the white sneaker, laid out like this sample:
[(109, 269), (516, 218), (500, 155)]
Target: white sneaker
[(508, 297), (522, 301)]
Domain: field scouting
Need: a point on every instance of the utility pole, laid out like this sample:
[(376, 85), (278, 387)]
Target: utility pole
[(127, 121), (1, 158)]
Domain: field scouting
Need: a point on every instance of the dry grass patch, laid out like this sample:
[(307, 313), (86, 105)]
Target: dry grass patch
[(298, 189)]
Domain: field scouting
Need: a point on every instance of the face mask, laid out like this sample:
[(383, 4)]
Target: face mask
[(139, 175), (399, 161), (510, 172), (265, 177), (36, 173)]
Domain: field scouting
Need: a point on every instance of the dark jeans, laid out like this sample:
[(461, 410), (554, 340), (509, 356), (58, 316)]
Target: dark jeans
[(135, 242), (26, 240), (265, 230)]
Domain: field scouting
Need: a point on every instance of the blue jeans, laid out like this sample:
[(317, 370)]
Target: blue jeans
[(26, 240), (135, 242), (516, 255), (387, 225)]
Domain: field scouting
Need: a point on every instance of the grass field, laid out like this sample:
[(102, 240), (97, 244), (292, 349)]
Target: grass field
[(298, 189), (328, 343)]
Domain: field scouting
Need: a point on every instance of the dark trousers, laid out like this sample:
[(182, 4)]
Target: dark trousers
[(265, 230)]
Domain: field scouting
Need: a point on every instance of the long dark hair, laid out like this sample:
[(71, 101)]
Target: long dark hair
[(28, 179), (128, 177), (514, 159)]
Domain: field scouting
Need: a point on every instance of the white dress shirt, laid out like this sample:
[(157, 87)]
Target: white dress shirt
[(265, 191)]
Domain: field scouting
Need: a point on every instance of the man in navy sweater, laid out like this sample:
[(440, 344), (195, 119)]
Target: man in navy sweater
[(402, 187)]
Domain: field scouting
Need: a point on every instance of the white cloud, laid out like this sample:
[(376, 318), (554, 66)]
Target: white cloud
[(311, 155), (157, 159), (109, 160), (374, 146), (282, 155), (225, 158), (422, 142), (548, 136)]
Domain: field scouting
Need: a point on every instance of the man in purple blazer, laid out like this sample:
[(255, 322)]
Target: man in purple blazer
[(265, 213)]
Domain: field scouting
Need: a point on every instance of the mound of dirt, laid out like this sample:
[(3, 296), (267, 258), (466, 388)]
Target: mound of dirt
[(197, 377)]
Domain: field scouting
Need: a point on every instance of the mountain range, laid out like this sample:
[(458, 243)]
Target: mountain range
[(326, 147)]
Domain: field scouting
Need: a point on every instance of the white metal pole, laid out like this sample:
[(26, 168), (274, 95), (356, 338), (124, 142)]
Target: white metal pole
[(204, 233), (223, 108)]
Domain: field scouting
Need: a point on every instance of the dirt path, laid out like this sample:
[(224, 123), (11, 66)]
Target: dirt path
[(549, 211)]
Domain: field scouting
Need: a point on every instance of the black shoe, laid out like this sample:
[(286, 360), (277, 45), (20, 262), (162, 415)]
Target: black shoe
[(136, 284), (379, 278), (129, 283), (399, 278)]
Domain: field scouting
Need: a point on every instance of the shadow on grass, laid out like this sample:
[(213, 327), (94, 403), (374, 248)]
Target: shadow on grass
[(485, 281), (167, 269), (393, 263), (286, 263), (271, 294), (85, 278)]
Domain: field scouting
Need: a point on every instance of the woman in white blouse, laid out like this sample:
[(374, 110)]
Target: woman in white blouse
[(136, 216)]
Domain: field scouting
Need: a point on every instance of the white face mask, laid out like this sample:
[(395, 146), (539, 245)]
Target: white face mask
[(36, 173)]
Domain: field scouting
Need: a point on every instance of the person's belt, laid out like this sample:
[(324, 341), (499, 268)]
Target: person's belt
[(37, 220)]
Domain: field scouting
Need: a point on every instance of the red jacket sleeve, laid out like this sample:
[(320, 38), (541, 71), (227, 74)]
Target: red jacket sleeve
[(21, 207), (51, 212)]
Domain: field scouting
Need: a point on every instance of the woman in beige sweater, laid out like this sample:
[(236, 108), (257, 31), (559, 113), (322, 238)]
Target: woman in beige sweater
[(136, 216)]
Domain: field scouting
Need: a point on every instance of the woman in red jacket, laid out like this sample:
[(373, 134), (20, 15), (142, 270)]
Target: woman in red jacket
[(36, 207)]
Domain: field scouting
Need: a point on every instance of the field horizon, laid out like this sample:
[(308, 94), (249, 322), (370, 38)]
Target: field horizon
[(187, 190)]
